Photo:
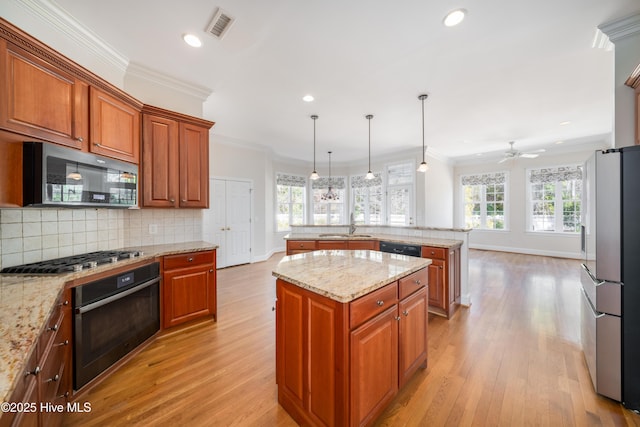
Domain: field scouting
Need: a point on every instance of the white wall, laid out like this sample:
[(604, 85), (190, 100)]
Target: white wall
[(438, 194)]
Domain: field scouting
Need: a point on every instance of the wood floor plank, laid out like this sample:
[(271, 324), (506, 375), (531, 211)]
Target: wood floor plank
[(512, 358)]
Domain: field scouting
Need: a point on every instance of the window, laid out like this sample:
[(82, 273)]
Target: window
[(400, 192), (366, 195), (328, 212), (484, 200), (555, 199), (290, 191)]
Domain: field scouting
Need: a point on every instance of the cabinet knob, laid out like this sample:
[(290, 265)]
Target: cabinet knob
[(53, 328), (66, 394), (406, 313), (222, 229), (228, 228), (211, 271), (184, 201), (80, 139), (440, 267), (417, 282), (54, 379), (190, 259), (97, 144), (397, 318), (380, 302), (433, 253), (36, 371), (65, 342), (172, 200), (301, 245), (64, 303)]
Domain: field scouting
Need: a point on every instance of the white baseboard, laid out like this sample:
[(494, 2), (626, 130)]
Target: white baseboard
[(260, 258), (527, 251)]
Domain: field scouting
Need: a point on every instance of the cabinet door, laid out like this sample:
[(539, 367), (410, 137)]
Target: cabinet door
[(189, 293), (374, 366), (413, 334), (159, 162), (115, 127), (194, 166), (290, 345), (40, 100), (436, 284)]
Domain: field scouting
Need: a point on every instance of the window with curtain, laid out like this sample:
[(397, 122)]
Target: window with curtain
[(400, 193), (328, 212), (290, 205), (485, 203), (367, 199), (555, 199)]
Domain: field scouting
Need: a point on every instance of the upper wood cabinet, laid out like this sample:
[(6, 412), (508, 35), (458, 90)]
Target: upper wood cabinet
[(47, 97), (175, 159), (114, 126), (42, 100)]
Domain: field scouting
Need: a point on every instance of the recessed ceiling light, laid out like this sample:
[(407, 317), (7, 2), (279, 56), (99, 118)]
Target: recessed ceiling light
[(192, 40), (454, 17), (565, 123), (559, 142), (307, 98)]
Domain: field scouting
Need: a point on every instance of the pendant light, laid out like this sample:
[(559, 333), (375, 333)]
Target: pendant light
[(314, 175), (369, 174), (330, 194), (423, 166), (75, 175)]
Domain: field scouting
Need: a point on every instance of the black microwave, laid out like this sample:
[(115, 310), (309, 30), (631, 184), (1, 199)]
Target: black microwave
[(58, 176)]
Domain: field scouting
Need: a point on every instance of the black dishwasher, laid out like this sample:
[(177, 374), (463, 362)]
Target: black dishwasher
[(401, 249)]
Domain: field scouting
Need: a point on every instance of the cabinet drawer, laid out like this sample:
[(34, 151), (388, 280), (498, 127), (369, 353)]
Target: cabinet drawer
[(332, 244), (302, 244), (430, 252), (411, 283), (55, 328), (371, 304), (188, 259)]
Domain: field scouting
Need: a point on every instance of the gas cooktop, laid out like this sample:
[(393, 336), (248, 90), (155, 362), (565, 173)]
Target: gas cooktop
[(72, 263)]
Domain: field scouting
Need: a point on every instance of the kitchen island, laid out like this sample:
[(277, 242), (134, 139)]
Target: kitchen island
[(351, 330)]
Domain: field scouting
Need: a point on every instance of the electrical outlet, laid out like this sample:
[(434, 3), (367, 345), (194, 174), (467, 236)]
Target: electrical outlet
[(153, 228)]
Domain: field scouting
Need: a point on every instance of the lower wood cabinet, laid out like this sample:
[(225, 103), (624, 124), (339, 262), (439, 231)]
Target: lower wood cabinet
[(340, 364), (444, 279), (300, 246), (188, 288), (47, 376)]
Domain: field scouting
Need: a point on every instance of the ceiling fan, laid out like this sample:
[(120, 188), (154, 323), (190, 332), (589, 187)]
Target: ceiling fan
[(512, 153)]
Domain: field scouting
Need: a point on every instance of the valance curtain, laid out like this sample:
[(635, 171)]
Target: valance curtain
[(563, 173), (484, 179), (359, 181), (336, 182), (292, 180)]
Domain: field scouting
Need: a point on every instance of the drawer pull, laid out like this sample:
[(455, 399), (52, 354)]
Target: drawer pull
[(190, 259), (380, 302), (66, 394), (302, 245), (54, 379), (65, 342), (54, 328), (36, 371), (211, 271), (97, 144), (406, 313), (64, 303), (80, 139), (417, 282)]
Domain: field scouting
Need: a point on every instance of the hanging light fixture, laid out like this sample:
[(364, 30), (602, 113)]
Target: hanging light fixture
[(369, 174), (330, 194), (314, 175), (76, 176), (423, 166)]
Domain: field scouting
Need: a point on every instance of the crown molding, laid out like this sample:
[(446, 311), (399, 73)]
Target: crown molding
[(58, 19), (138, 70), (621, 28), (601, 41)]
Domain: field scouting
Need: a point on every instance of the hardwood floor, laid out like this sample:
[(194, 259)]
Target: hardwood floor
[(512, 358)]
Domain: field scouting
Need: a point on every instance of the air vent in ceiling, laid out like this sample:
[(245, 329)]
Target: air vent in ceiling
[(220, 24)]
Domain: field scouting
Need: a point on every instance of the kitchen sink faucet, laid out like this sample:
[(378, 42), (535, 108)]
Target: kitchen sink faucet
[(352, 224)]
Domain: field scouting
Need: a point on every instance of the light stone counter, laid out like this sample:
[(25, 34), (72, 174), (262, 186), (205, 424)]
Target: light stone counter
[(26, 302), (344, 275)]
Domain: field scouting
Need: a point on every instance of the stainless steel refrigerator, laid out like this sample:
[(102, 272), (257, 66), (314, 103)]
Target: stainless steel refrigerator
[(610, 316)]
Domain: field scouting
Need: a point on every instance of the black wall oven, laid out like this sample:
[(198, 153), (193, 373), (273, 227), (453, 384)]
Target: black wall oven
[(113, 315)]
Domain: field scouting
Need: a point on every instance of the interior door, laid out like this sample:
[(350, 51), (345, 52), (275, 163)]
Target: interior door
[(228, 221)]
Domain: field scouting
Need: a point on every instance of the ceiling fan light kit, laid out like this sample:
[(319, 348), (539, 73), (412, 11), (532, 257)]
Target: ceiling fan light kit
[(512, 153)]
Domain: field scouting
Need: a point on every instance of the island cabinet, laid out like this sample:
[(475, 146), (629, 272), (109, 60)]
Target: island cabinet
[(444, 279), (340, 364), (175, 165), (49, 98), (188, 288), (47, 376)]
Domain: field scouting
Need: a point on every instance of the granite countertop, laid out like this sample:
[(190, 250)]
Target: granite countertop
[(26, 302), (414, 240), (345, 275)]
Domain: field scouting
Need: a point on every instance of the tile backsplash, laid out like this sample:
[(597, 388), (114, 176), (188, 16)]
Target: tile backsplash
[(31, 235)]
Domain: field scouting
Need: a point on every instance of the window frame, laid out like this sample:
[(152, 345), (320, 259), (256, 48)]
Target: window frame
[(353, 188), (558, 200), (290, 203), (343, 202), (411, 190), (483, 200)]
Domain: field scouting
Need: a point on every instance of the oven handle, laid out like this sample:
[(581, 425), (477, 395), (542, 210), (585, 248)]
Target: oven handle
[(112, 298)]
